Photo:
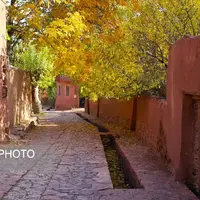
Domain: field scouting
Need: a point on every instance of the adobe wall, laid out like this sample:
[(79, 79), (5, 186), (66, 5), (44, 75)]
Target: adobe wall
[(2, 28), (86, 105), (152, 123), (149, 114), (94, 108), (171, 126), (19, 96), (4, 123), (3, 65), (112, 110), (64, 102), (15, 87), (183, 92), (119, 111)]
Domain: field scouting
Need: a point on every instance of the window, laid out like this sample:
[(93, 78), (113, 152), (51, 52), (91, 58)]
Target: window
[(58, 90), (67, 90)]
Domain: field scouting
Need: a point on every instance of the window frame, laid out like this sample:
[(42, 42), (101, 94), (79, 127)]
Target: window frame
[(59, 90), (67, 94)]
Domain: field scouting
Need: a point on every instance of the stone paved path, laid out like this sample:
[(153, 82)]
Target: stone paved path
[(69, 164), (69, 156)]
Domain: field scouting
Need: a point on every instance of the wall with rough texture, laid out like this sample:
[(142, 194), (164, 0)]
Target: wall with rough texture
[(183, 93), (151, 123), (112, 110), (3, 65), (4, 123), (119, 111), (64, 102), (2, 28), (171, 126), (19, 96), (147, 115), (86, 105), (94, 108)]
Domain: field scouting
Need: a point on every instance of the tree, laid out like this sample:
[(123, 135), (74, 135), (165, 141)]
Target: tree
[(70, 37), (40, 63), (111, 48), (51, 91), (31, 20), (26, 20), (137, 61)]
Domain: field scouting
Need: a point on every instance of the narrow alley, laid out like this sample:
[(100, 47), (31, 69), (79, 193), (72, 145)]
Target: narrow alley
[(70, 163)]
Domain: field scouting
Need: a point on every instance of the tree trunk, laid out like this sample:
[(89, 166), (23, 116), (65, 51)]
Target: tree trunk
[(37, 106)]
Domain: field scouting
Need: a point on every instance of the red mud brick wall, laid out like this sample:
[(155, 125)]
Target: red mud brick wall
[(93, 106), (183, 92), (3, 64), (116, 111), (86, 105), (151, 123), (64, 102), (19, 96), (171, 126), (148, 113), (4, 122)]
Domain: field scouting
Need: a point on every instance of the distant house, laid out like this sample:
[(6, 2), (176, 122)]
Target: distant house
[(67, 94)]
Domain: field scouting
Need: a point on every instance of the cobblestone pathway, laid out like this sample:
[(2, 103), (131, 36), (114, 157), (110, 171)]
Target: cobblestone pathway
[(69, 164), (69, 157)]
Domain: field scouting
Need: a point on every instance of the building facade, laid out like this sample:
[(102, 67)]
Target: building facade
[(67, 94)]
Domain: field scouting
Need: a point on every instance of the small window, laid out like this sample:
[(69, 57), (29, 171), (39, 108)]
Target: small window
[(67, 90), (58, 90)]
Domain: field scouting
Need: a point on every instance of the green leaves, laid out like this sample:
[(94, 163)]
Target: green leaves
[(39, 62)]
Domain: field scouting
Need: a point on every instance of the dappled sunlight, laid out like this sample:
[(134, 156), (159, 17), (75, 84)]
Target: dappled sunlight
[(133, 65), (47, 125)]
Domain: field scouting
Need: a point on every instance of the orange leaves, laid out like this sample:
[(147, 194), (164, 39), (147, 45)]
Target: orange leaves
[(113, 36), (123, 2), (136, 4), (59, 11), (96, 12)]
